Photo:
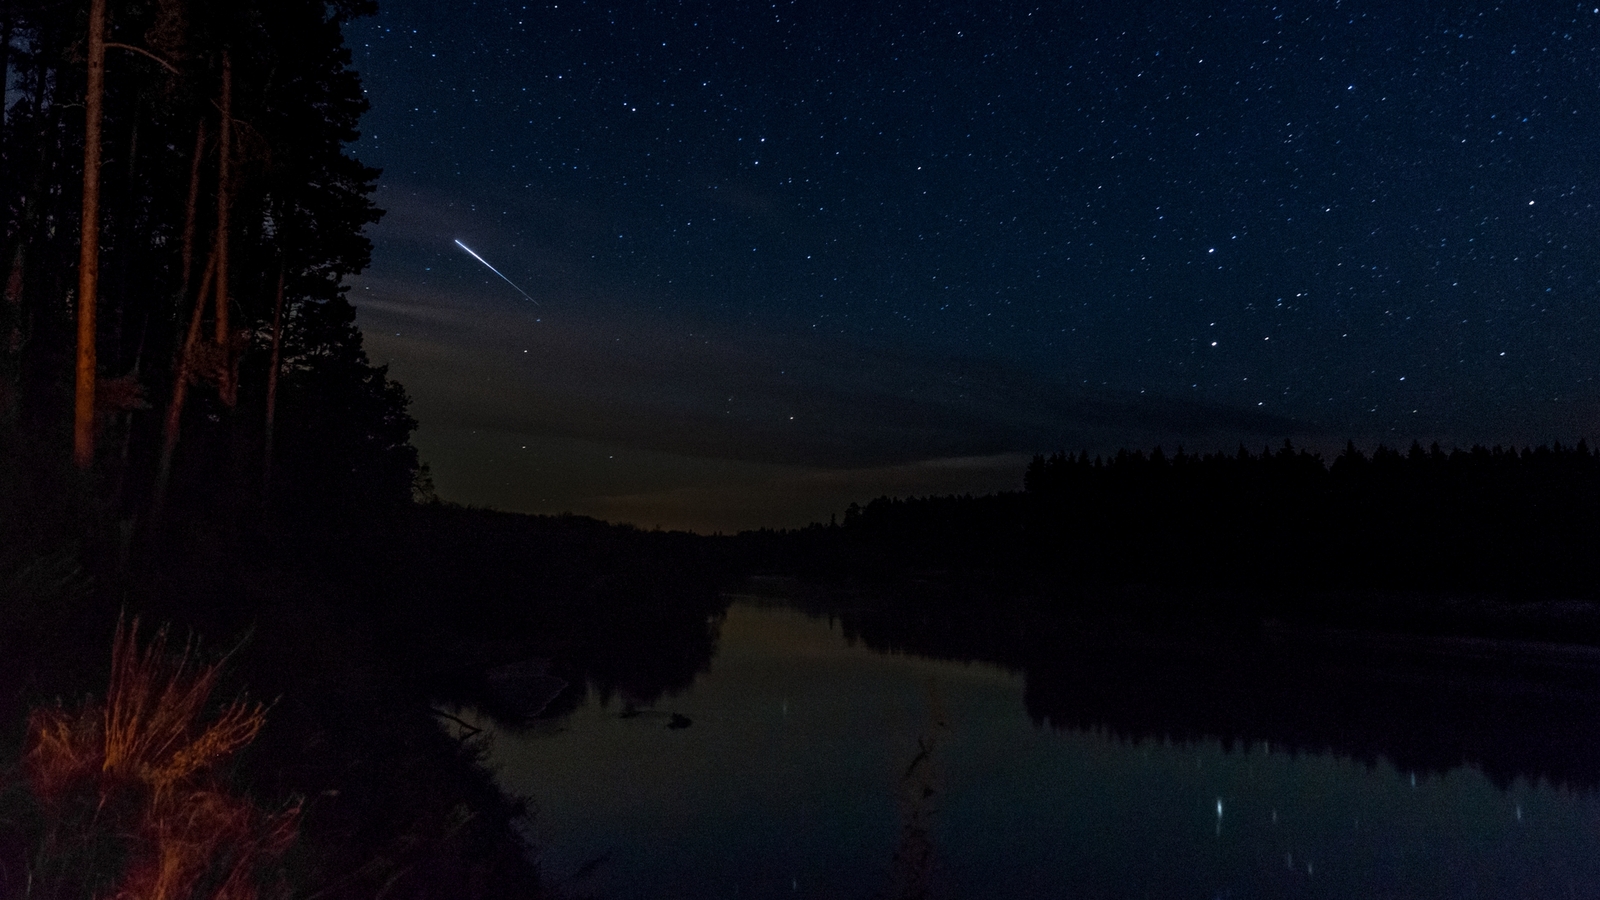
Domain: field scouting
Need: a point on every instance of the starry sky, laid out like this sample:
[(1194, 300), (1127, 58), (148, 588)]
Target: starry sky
[(786, 256)]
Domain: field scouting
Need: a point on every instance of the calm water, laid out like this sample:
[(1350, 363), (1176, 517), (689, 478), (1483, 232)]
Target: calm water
[(818, 768)]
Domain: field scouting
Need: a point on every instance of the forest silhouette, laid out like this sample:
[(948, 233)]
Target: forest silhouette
[(1397, 536)]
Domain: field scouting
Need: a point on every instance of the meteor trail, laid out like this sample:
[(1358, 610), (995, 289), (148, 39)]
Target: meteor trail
[(496, 271)]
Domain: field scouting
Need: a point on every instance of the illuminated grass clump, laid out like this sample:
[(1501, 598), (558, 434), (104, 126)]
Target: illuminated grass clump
[(133, 799)]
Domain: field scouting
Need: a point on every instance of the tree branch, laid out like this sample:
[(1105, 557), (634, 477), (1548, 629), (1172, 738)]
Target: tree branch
[(471, 730), (143, 52)]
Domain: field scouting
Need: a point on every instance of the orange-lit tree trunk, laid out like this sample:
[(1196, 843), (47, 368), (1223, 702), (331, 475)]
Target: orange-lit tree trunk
[(189, 212), (89, 242), (216, 274), (272, 386), (182, 375), (182, 365), (225, 378)]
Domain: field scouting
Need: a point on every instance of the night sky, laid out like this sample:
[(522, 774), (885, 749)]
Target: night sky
[(789, 256)]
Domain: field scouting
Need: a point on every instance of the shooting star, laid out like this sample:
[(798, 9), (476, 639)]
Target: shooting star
[(496, 271)]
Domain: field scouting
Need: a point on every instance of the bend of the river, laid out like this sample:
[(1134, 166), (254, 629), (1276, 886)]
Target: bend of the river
[(805, 765)]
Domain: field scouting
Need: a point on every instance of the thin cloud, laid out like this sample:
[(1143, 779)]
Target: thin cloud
[(656, 383)]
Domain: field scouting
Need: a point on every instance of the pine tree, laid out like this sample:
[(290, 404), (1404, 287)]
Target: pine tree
[(179, 160)]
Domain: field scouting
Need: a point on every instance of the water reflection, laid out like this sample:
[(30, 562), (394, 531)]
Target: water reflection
[(1089, 777), (1427, 704)]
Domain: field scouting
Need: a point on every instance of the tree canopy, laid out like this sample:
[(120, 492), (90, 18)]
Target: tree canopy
[(227, 363)]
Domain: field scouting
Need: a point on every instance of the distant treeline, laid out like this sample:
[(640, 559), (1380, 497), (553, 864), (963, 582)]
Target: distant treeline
[(1517, 523)]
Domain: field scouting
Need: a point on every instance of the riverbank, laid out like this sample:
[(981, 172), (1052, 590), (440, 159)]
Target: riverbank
[(360, 631), (350, 636)]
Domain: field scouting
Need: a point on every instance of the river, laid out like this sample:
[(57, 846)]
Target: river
[(802, 763)]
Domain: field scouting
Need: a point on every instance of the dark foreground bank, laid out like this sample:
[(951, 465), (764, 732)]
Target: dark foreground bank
[(354, 636)]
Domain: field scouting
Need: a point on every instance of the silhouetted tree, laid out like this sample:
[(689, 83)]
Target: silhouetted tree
[(243, 110)]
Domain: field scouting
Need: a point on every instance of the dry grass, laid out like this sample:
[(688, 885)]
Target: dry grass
[(153, 709), (208, 844), (141, 771)]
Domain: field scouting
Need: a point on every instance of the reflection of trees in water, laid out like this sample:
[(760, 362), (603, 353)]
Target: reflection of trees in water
[(615, 610), (630, 642), (1425, 704), (642, 638)]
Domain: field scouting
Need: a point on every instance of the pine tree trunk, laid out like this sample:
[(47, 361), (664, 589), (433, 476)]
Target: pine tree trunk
[(11, 293), (5, 69), (11, 337), (187, 259), (225, 378), (180, 390), (272, 387), (89, 243)]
